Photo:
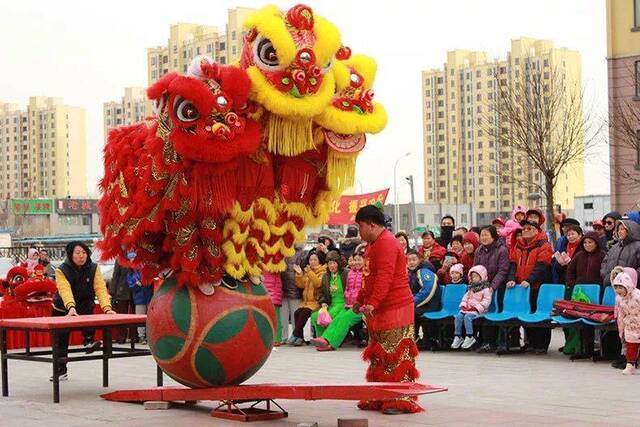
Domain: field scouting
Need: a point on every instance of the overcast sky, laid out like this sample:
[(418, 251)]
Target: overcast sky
[(87, 52)]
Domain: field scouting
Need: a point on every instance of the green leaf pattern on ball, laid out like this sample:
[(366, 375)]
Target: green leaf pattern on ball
[(168, 347), (264, 328), (209, 367), (165, 287), (227, 327), (181, 309)]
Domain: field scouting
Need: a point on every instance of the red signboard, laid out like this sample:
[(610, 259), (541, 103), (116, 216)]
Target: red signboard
[(344, 210), (76, 206)]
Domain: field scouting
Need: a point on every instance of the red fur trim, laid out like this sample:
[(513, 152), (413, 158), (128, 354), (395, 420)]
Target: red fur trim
[(234, 78), (158, 88)]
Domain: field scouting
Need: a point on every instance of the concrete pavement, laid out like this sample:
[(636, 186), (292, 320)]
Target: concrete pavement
[(517, 390)]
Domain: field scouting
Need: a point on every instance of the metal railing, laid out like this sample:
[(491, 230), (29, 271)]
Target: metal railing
[(20, 253)]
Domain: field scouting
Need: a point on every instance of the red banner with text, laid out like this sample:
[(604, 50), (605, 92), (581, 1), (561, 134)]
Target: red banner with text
[(344, 209)]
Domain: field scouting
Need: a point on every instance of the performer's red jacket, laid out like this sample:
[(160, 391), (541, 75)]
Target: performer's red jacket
[(386, 284)]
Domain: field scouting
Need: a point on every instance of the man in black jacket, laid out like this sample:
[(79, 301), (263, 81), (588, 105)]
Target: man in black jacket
[(122, 298)]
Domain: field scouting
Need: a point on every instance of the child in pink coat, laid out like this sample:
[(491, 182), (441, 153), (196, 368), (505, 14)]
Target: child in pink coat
[(628, 315), (273, 283), (513, 225), (474, 303)]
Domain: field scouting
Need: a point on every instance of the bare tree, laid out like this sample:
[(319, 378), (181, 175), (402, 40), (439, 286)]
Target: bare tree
[(538, 116), (624, 128)]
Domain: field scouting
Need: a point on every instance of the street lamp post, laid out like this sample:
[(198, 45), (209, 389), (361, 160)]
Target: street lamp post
[(396, 208)]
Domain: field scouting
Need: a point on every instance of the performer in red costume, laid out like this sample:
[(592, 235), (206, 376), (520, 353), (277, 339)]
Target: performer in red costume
[(387, 303)]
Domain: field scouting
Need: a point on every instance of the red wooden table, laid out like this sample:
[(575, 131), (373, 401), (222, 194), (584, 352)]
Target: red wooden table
[(55, 325)]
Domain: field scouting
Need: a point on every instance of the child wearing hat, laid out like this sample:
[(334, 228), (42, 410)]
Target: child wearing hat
[(474, 303), (456, 274)]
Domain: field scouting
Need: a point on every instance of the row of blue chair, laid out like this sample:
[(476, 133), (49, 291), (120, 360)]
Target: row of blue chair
[(516, 306)]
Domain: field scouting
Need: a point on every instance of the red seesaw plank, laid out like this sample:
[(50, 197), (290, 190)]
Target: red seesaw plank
[(63, 322), (367, 391)]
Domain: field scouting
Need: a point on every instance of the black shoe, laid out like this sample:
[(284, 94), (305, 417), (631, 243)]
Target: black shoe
[(485, 348), (528, 349), (540, 351), (619, 363), (62, 376), (363, 343), (502, 349), (90, 347), (561, 349), (392, 411)]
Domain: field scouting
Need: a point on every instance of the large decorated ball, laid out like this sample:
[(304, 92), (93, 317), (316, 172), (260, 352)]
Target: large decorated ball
[(210, 340)]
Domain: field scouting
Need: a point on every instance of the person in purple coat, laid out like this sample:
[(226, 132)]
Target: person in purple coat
[(493, 254)]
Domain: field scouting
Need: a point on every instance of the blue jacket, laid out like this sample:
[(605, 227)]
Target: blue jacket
[(141, 294), (424, 287), (557, 270)]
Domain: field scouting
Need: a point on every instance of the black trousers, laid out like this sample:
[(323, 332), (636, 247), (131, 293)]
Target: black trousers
[(82, 307), (124, 307), (300, 318)]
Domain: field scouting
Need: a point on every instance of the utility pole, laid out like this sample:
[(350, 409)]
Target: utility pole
[(414, 218), (396, 208)]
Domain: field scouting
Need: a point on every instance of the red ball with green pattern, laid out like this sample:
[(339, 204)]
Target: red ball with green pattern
[(204, 341)]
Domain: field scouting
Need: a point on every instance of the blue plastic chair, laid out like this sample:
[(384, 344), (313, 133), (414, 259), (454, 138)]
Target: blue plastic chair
[(516, 303), (493, 308), (451, 298), (609, 298), (592, 292), (547, 295)]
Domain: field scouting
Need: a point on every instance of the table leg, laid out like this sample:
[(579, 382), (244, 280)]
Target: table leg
[(55, 355), (159, 376), (27, 342), (106, 355), (3, 357)]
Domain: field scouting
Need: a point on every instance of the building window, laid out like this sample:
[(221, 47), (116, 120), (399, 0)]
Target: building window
[(588, 205), (420, 218), (636, 14)]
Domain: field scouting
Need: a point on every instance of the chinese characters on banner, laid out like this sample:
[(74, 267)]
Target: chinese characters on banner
[(32, 206), (344, 210), (76, 206)]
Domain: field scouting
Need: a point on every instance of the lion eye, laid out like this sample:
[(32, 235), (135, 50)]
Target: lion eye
[(185, 110), (265, 54)]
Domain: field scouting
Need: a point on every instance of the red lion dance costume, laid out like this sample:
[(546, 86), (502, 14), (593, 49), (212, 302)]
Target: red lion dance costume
[(26, 296), (219, 185)]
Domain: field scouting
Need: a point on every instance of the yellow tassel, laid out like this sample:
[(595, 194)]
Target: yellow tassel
[(256, 245), (231, 228), (268, 207), (261, 224), (287, 251), (233, 264), (272, 250), (288, 137), (240, 215), (275, 268), (341, 171)]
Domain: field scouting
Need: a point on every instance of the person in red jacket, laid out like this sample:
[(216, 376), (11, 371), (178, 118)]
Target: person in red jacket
[(470, 243), (430, 250), (387, 303), (531, 267)]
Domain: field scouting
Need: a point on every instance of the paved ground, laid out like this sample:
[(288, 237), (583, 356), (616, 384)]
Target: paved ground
[(513, 390)]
